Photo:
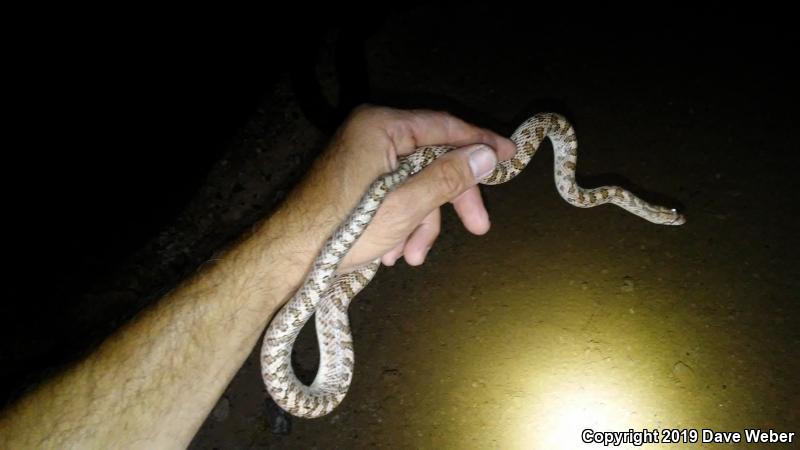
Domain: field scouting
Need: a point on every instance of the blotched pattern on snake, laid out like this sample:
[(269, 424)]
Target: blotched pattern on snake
[(328, 295)]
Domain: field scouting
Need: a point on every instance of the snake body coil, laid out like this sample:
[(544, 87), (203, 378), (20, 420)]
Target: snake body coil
[(328, 295)]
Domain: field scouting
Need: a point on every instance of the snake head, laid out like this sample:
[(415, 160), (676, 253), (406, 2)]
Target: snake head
[(671, 217), (660, 215)]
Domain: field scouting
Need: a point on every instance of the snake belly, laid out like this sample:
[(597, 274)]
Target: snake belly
[(327, 295)]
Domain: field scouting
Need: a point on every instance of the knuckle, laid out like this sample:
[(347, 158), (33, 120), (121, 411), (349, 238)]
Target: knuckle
[(361, 115), (450, 175), (367, 111), (363, 107), (366, 117), (363, 110)]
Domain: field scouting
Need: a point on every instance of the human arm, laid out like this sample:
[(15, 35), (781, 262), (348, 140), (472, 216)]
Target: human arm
[(152, 383)]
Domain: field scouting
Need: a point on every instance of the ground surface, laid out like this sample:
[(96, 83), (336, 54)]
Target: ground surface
[(560, 312)]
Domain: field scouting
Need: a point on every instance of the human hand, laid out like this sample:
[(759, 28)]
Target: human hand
[(408, 222)]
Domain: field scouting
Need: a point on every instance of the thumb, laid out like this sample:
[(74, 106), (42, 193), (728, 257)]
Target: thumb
[(405, 209), (447, 178)]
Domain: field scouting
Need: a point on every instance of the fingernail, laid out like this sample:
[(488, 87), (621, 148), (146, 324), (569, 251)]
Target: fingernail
[(482, 161)]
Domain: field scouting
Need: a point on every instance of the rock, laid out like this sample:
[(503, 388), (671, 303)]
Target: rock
[(684, 374), (391, 377), (627, 284), (222, 410), (280, 422)]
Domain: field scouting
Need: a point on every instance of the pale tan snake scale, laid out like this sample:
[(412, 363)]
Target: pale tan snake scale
[(328, 295)]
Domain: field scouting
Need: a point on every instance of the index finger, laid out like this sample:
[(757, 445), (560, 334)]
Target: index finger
[(418, 128)]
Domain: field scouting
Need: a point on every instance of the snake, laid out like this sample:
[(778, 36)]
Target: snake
[(327, 294)]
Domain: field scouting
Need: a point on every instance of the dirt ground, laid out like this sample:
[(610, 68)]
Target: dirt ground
[(559, 319), (562, 319)]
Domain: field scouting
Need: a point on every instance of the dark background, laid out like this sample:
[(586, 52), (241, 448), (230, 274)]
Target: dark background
[(121, 119), (118, 122)]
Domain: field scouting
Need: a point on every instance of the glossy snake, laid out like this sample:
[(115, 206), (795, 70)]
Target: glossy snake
[(329, 295)]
